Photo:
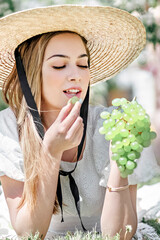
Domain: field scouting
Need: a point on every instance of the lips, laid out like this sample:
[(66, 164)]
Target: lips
[(68, 92)]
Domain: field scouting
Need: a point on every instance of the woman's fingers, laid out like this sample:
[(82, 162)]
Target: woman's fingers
[(67, 131), (71, 117), (64, 112), (76, 127)]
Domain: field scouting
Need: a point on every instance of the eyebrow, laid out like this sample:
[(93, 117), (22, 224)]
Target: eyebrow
[(64, 56)]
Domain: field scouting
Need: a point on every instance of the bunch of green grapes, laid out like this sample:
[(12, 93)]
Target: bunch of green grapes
[(128, 128)]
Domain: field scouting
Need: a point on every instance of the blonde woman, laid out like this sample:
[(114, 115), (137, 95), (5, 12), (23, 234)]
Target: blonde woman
[(55, 167)]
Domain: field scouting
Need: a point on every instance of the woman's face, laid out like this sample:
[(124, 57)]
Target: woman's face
[(64, 70)]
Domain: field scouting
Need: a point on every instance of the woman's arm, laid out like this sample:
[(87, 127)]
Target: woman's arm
[(119, 208), (65, 133), (22, 220)]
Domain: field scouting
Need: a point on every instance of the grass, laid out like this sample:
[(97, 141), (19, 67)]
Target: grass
[(155, 223), (78, 235), (93, 235)]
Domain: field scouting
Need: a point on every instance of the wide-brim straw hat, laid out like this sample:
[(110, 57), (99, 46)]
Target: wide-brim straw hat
[(115, 37)]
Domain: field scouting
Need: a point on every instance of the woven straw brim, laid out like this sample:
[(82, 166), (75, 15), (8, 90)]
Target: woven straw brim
[(115, 37)]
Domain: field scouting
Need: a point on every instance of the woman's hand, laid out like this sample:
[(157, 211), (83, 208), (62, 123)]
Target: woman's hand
[(67, 130)]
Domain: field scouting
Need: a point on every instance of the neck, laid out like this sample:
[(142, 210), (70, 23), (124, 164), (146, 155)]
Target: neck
[(48, 116)]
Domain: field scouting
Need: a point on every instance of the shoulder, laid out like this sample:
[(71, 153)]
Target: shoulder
[(8, 124), (11, 157)]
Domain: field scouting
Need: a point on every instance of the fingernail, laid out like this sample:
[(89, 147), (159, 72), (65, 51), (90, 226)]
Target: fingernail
[(80, 100)]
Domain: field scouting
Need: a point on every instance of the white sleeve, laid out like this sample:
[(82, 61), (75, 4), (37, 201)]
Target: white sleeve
[(11, 158), (100, 146), (147, 167)]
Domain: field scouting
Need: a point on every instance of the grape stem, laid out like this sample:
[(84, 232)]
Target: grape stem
[(134, 99)]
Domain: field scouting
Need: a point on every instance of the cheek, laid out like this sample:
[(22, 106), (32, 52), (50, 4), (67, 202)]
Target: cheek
[(87, 77), (49, 83), (50, 78)]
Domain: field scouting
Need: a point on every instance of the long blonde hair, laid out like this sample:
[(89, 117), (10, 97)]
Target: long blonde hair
[(32, 53)]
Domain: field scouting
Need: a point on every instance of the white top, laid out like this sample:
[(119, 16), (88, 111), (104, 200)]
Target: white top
[(91, 174)]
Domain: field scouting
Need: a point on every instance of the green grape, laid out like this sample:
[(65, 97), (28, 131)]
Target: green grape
[(120, 125), (124, 174), (131, 137), (73, 100), (134, 131), (124, 132), (120, 151), (137, 155), (105, 115), (146, 143), (140, 148), (114, 148), (140, 129), (141, 115), (121, 168), (109, 135), (132, 111), (116, 114), (134, 145), (125, 116), (140, 123), (118, 144), (106, 124), (131, 155), (131, 120), (146, 128), (138, 107), (129, 171), (130, 165), (146, 118), (127, 148), (118, 137), (139, 139), (123, 101), (153, 135), (134, 103), (115, 131), (129, 126), (115, 156), (111, 122), (116, 102), (145, 135), (135, 163), (122, 160), (126, 108), (102, 130), (134, 117), (125, 142)]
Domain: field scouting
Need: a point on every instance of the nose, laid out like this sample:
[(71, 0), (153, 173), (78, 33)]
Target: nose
[(74, 75)]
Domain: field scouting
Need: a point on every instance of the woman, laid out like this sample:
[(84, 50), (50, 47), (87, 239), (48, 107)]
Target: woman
[(52, 156)]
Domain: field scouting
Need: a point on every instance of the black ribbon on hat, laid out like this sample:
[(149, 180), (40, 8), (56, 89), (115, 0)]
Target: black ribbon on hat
[(39, 126)]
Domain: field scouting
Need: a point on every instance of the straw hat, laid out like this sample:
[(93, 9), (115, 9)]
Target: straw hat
[(115, 37)]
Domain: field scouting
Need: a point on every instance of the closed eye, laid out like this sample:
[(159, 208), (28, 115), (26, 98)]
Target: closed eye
[(82, 66), (58, 67)]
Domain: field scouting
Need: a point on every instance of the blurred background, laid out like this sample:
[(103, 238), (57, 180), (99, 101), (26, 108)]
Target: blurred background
[(141, 78)]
